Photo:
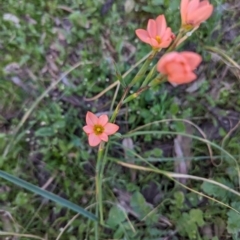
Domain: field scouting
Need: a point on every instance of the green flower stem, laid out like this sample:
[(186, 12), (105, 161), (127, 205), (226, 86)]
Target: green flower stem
[(158, 80), (149, 76), (100, 164), (99, 207), (135, 95), (144, 68), (138, 77), (175, 42), (116, 111)]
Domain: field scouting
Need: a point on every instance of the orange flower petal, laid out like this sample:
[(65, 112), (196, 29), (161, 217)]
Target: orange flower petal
[(91, 119), (143, 35), (156, 31), (154, 43), (167, 38), (104, 137), (192, 6), (183, 9), (194, 12), (166, 44), (182, 78), (164, 60), (152, 28), (93, 140), (176, 68), (110, 128), (161, 25), (167, 35), (201, 14), (193, 59), (179, 66), (88, 129), (204, 3), (102, 120)]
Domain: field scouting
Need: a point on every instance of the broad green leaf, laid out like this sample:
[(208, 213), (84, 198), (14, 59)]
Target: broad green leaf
[(116, 216), (46, 194), (233, 222), (197, 216), (179, 199), (45, 132), (157, 2), (217, 192)]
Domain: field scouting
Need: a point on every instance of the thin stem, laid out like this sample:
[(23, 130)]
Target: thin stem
[(116, 111), (98, 184), (138, 76), (149, 76), (116, 83), (136, 64), (101, 170), (135, 95), (96, 226), (100, 164), (143, 69), (114, 97), (158, 80), (175, 43)]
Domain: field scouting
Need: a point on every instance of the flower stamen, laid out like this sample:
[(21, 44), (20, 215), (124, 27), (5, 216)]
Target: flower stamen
[(98, 129), (188, 27), (158, 38)]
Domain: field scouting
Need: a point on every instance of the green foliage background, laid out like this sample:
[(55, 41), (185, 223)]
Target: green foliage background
[(46, 39)]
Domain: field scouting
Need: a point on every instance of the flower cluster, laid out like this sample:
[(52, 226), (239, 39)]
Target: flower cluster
[(176, 67)]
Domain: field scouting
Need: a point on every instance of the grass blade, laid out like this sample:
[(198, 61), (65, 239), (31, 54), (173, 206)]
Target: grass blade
[(46, 194)]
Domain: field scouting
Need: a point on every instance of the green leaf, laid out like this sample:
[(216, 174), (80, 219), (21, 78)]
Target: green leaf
[(2, 135), (179, 199), (187, 227), (174, 5), (30, 187), (44, 132), (197, 216), (140, 206), (116, 216), (218, 192), (118, 74), (233, 222), (157, 2), (174, 109), (180, 127)]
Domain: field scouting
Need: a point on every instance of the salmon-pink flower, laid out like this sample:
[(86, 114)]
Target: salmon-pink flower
[(98, 128), (158, 35), (194, 12), (179, 67)]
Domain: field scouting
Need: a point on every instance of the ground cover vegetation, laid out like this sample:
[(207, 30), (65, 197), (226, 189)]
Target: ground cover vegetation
[(157, 183)]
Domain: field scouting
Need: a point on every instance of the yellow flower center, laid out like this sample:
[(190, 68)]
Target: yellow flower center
[(158, 39), (98, 129), (188, 27)]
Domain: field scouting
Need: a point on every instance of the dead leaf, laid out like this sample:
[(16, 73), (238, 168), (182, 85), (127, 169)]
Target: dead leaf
[(207, 231), (129, 6), (196, 85), (182, 148), (11, 18), (9, 224), (219, 227), (12, 68), (128, 145)]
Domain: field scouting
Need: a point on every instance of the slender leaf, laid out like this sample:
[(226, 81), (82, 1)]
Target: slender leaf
[(46, 194)]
